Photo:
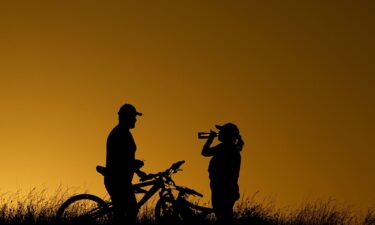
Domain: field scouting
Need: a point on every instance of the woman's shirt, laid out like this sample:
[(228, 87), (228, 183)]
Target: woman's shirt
[(224, 167)]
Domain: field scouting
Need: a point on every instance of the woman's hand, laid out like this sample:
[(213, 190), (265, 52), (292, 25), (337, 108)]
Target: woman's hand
[(213, 134)]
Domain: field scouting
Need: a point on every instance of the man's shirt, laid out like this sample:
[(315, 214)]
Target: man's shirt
[(120, 155)]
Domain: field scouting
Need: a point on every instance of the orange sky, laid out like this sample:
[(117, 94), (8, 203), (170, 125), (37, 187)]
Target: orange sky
[(297, 78)]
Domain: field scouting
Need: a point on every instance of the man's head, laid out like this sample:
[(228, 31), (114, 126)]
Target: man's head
[(127, 115), (228, 132)]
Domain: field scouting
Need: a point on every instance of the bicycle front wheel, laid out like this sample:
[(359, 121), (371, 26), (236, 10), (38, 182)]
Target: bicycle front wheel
[(84, 209), (165, 211)]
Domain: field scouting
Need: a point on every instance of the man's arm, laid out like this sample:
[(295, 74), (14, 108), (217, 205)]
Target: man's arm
[(141, 174), (138, 165)]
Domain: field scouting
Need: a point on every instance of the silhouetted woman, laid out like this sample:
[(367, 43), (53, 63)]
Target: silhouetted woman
[(224, 170)]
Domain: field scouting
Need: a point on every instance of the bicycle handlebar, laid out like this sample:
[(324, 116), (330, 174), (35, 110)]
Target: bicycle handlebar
[(172, 169), (175, 166)]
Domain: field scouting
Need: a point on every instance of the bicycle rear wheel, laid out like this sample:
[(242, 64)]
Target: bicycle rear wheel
[(84, 209)]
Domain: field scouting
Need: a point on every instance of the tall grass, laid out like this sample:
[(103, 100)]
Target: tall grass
[(39, 207), (318, 212)]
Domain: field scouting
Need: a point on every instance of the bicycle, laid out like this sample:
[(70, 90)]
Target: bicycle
[(88, 208)]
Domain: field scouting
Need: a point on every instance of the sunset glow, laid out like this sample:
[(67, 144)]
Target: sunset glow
[(298, 80)]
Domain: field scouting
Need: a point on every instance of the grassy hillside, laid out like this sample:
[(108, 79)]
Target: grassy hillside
[(38, 207)]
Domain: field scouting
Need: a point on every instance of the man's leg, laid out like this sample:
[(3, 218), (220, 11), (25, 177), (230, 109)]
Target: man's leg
[(117, 198), (130, 207), (118, 207)]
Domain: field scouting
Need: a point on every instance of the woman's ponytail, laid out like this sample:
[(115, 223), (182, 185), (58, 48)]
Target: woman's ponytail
[(239, 143)]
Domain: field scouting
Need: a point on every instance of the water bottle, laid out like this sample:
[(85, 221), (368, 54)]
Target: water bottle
[(203, 135)]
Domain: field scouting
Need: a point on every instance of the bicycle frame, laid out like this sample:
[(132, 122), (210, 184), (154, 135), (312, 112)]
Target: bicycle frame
[(157, 185), (157, 182)]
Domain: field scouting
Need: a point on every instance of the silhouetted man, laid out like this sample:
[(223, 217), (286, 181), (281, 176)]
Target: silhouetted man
[(121, 166), (224, 170)]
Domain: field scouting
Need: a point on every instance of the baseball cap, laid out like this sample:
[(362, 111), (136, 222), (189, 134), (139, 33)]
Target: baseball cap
[(129, 110), (230, 128)]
